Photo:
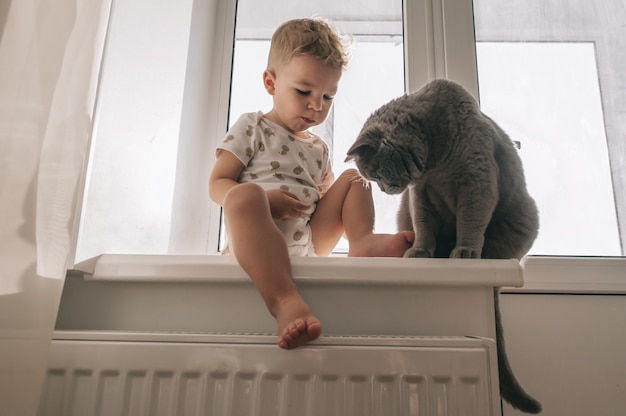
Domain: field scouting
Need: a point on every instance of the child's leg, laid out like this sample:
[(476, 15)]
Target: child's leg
[(348, 208), (260, 249)]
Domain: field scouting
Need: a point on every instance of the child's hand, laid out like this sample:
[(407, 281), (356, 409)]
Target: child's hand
[(285, 205)]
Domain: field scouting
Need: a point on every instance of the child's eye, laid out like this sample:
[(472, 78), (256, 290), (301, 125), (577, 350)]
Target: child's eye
[(302, 92), (328, 97)]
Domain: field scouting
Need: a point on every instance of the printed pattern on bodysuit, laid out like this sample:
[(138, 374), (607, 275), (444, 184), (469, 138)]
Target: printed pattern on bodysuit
[(275, 159)]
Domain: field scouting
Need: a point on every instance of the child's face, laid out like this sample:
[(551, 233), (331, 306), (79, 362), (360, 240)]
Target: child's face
[(303, 91)]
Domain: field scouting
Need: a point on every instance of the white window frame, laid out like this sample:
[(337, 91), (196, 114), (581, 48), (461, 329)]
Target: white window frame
[(439, 43)]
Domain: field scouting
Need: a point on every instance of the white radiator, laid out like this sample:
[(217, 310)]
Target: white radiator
[(129, 374)]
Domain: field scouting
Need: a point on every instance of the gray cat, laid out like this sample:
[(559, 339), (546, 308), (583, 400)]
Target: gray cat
[(464, 192)]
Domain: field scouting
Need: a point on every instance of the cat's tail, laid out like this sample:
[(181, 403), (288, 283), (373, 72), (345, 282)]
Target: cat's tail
[(510, 389)]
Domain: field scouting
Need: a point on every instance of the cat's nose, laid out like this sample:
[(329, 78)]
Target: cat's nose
[(391, 189)]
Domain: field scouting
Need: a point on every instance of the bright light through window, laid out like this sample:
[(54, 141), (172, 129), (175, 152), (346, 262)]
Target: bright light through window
[(554, 77), (547, 96)]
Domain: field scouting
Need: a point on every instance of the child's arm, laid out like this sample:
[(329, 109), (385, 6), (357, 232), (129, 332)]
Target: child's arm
[(224, 175)]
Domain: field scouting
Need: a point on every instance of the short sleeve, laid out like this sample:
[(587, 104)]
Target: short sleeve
[(327, 176), (241, 138)]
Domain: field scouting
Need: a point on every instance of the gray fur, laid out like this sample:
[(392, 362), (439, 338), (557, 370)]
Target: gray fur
[(464, 192)]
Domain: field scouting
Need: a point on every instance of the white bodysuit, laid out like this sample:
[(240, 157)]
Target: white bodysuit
[(276, 159)]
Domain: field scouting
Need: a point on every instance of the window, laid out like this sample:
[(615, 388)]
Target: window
[(165, 97), (551, 76), (162, 99), (135, 142), (562, 137)]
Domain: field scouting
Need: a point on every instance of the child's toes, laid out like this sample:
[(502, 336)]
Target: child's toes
[(314, 328), (298, 326), (285, 340), (291, 333)]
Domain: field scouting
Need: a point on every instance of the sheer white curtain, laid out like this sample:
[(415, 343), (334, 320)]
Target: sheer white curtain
[(50, 52)]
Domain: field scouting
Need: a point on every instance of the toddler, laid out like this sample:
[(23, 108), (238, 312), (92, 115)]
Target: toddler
[(274, 180)]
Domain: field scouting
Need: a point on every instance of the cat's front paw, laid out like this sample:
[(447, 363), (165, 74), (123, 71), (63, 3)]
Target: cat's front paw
[(465, 252), (417, 252)]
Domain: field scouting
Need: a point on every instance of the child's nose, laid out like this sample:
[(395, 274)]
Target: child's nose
[(316, 103)]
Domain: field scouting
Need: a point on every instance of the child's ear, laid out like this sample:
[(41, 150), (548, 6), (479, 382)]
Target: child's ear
[(269, 80)]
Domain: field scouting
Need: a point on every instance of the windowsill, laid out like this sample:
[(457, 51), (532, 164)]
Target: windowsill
[(536, 274), (329, 270), (573, 275), (352, 296)]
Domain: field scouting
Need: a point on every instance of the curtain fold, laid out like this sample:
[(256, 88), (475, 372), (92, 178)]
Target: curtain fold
[(65, 141), (50, 52)]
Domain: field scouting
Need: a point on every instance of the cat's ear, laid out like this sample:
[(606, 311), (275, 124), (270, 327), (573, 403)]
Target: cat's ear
[(365, 143)]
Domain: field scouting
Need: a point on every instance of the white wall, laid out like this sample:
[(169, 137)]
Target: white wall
[(28, 303), (568, 351)]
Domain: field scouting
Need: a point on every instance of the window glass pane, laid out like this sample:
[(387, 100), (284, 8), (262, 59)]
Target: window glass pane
[(375, 77), (551, 79), (130, 184), (375, 74)]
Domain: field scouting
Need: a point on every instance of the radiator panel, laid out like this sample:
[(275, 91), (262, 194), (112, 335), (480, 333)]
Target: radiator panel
[(249, 375)]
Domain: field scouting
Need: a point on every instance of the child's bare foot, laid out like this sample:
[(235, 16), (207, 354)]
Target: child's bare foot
[(382, 245), (296, 323)]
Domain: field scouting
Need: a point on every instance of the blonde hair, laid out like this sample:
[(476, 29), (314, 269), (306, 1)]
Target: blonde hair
[(311, 37)]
